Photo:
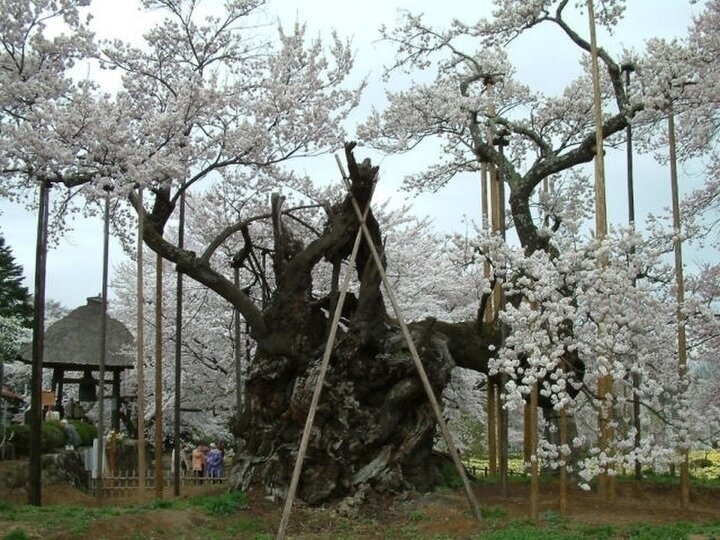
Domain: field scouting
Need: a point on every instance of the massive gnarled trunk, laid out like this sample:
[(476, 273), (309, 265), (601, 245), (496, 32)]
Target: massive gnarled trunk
[(374, 428)]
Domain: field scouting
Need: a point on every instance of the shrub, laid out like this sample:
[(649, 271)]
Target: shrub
[(52, 437), (225, 504)]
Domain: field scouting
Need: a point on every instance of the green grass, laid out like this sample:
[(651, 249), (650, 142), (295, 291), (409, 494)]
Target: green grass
[(525, 530), (222, 505), (16, 534), (226, 518)]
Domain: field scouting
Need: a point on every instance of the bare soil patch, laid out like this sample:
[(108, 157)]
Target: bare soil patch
[(444, 513)]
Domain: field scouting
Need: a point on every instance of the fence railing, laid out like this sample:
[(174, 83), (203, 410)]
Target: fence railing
[(127, 483)]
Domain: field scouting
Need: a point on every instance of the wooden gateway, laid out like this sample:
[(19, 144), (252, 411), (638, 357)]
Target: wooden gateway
[(72, 351)]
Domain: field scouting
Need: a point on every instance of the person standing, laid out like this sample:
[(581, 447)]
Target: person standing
[(215, 462), (72, 437), (197, 459)]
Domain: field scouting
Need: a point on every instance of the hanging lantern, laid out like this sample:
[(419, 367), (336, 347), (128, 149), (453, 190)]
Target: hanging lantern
[(88, 391)]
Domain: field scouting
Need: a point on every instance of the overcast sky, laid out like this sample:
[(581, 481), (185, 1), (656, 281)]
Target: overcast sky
[(544, 61)]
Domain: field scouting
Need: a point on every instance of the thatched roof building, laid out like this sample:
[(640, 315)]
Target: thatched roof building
[(72, 344)]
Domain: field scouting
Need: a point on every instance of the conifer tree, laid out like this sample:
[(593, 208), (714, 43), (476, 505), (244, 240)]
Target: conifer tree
[(14, 296)]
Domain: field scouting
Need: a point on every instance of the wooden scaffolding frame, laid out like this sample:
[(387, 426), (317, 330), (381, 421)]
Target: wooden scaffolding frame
[(363, 231)]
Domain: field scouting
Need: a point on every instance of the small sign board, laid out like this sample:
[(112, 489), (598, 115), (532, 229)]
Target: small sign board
[(48, 398)]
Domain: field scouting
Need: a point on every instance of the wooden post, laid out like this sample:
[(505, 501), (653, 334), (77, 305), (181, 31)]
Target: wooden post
[(38, 347), (492, 426), (563, 467), (680, 296), (158, 379), (500, 139), (487, 173), (103, 347), (489, 316), (527, 432), (627, 69), (237, 349), (534, 464), (140, 347), (606, 483), (115, 411), (178, 352)]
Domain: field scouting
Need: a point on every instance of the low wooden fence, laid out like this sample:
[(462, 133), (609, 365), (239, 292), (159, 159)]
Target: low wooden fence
[(127, 483)]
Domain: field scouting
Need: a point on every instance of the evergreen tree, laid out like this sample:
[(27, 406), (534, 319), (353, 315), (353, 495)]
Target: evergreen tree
[(15, 300)]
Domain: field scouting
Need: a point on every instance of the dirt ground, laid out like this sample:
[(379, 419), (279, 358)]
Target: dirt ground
[(444, 513)]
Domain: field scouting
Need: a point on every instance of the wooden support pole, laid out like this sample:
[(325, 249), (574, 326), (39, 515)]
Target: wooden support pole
[(488, 316), (38, 348), (680, 297), (635, 376), (490, 220), (140, 347), (534, 462), (606, 483), (103, 347), (527, 432), (600, 204), (178, 353), (503, 428), (115, 411), (158, 379), (500, 139), (563, 467), (492, 426), (237, 349)]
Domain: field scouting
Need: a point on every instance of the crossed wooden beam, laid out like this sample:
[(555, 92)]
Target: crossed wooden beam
[(363, 231)]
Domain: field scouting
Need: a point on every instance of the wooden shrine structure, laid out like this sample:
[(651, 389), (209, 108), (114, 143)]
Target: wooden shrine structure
[(72, 351)]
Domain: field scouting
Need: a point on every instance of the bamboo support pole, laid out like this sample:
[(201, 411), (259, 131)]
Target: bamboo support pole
[(606, 484), (680, 296)]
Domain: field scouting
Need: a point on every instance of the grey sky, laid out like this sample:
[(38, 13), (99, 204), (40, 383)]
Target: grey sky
[(544, 61)]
